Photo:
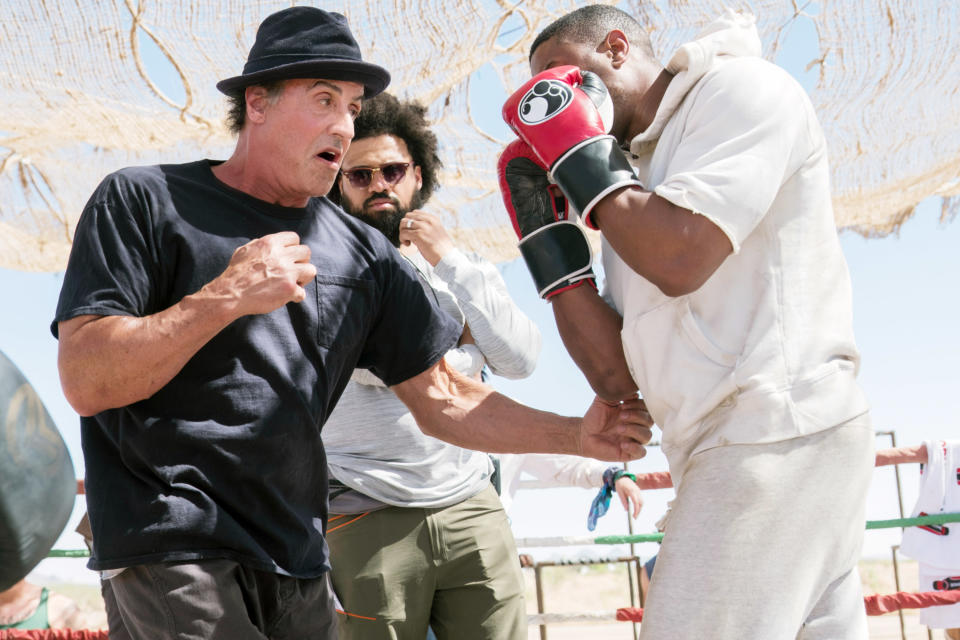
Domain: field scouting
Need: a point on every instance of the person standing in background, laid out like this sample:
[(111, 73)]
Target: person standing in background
[(727, 305), (211, 315), (417, 534)]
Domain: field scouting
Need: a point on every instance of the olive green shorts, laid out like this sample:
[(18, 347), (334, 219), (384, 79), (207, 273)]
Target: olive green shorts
[(397, 570)]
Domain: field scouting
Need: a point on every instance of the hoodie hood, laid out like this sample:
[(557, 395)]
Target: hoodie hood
[(731, 35)]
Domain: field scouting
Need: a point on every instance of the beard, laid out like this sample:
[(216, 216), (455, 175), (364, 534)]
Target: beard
[(386, 222)]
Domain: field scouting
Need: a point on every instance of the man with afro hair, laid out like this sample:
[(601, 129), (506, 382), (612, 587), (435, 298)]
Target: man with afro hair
[(418, 537)]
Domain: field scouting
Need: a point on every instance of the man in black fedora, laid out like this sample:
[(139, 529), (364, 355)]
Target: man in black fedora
[(210, 317)]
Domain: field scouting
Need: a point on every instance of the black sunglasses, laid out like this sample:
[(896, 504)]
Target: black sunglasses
[(392, 174)]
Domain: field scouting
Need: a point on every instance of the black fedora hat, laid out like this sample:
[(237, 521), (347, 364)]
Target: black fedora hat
[(306, 42)]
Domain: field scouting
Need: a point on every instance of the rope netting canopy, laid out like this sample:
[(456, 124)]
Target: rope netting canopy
[(90, 86)]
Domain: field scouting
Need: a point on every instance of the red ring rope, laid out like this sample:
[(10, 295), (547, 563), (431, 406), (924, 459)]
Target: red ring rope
[(876, 604)]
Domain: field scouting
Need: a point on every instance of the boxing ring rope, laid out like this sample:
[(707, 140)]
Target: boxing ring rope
[(562, 541), (52, 634), (68, 553), (876, 605), (565, 541)]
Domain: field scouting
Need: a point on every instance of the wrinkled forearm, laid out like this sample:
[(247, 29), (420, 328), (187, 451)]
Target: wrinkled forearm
[(462, 411), (107, 362)]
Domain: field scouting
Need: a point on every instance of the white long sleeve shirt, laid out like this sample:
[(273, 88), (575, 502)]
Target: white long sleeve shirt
[(547, 470), (374, 447)]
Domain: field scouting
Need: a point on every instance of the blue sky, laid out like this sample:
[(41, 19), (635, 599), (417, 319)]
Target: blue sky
[(904, 315)]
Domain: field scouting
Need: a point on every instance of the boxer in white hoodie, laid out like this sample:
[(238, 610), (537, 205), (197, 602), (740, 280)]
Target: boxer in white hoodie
[(727, 305)]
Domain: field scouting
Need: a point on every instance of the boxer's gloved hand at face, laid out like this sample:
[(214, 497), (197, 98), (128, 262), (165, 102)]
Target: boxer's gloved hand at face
[(555, 248), (564, 114)]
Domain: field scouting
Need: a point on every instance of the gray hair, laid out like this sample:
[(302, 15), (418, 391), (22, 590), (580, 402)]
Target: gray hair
[(237, 103)]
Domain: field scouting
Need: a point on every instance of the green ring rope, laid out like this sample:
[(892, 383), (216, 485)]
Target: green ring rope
[(941, 518), (68, 553)]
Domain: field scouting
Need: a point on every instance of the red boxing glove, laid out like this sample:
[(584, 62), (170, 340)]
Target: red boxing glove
[(564, 114), (555, 248), (552, 115)]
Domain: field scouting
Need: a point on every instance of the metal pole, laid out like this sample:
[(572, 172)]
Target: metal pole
[(896, 583), (896, 561), (538, 567), (893, 549), (537, 579), (896, 473), (633, 600), (633, 553)]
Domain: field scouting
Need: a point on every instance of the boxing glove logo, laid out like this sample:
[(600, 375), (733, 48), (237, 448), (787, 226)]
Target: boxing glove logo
[(543, 101)]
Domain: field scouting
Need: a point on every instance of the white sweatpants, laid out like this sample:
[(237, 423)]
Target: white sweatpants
[(763, 540)]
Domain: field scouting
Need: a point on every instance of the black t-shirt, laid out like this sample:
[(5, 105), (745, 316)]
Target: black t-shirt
[(226, 461)]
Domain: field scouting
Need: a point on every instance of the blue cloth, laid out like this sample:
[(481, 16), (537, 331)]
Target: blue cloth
[(649, 565), (601, 503)]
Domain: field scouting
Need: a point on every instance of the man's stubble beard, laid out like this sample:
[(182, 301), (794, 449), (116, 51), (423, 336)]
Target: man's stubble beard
[(386, 222)]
